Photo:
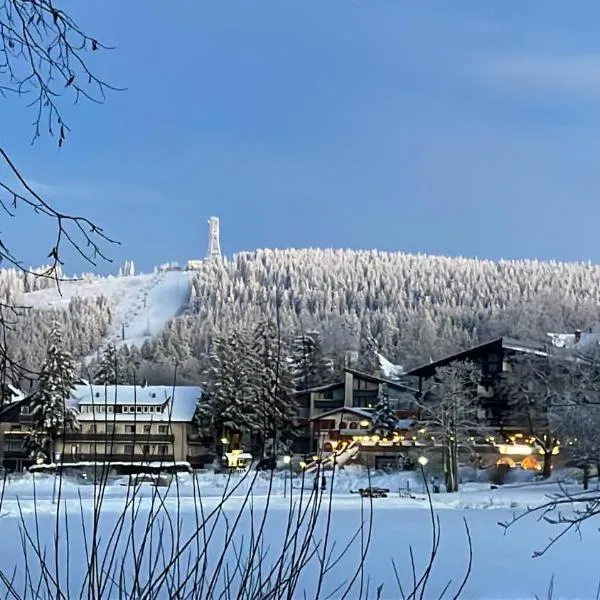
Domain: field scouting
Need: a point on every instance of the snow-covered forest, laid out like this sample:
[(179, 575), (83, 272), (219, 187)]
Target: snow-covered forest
[(409, 307), (414, 307), (83, 321)]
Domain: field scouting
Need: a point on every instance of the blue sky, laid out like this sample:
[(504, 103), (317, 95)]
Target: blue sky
[(456, 128)]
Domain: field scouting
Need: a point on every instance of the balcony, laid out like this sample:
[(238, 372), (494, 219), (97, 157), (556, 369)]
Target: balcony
[(194, 439), (126, 438), (108, 458), (328, 404)]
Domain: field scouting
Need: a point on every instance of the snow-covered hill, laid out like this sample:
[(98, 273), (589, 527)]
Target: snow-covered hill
[(141, 305)]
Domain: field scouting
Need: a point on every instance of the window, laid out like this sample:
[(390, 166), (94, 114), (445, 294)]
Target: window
[(146, 409), (129, 428), (110, 428), (25, 409), (163, 429), (110, 409), (126, 409), (147, 428), (163, 450), (145, 449), (128, 449), (138, 409)]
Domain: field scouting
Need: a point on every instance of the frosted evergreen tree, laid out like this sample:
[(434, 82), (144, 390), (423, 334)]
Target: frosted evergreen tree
[(273, 388), (110, 370), (51, 415), (228, 405), (384, 420), (307, 364)]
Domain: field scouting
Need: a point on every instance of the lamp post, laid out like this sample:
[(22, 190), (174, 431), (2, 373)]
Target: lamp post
[(224, 458), (287, 461), (423, 460)]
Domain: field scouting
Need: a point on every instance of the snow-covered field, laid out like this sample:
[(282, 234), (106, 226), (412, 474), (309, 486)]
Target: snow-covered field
[(503, 566), (143, 304)]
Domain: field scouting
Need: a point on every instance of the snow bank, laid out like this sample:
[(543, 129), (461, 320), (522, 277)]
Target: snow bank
[(214, 486), (502, 563)]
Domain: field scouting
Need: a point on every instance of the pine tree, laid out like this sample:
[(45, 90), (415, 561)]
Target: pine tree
[(308, 365), (228, 404), (384, 420), (51, 415), (273, 389), (111, 369)]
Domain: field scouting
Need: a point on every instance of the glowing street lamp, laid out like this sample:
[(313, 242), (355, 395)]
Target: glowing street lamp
[(422, 460), (224, 441), (287, 459)]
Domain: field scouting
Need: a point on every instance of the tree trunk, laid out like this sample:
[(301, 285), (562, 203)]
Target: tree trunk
[(446, 466), (547, 467), (450, 468), (454, 466), (586, 476)]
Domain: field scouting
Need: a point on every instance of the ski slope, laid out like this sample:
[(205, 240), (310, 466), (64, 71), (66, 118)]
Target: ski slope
[(141, 305)]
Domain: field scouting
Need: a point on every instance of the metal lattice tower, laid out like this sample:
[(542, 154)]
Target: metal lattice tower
[(214, 243)]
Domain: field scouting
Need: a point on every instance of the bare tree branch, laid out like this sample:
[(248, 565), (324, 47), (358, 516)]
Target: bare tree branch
[(44, 57)]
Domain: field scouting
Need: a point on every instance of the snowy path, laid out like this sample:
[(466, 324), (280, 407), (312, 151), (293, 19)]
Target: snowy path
[(141, 305)]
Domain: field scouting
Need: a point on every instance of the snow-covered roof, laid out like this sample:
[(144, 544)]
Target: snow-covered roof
[(179, 401), (388, 369), (570, 340)]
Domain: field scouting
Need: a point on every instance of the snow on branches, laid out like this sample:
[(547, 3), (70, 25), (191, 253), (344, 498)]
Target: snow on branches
[(50, 411)]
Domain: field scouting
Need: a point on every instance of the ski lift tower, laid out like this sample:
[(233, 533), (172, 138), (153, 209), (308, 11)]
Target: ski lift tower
[(214, 243)]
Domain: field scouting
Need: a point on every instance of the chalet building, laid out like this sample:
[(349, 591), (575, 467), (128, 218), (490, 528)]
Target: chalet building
[(357, 394), (347, 428), (133, 423), (15, 423), (119, 423), (494, 357)]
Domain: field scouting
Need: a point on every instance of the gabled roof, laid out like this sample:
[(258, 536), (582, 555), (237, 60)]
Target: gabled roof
[(478, 352), (375, 379), (180, 401), (322, 388), (7, 409), (365, 414), (360, 374)]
